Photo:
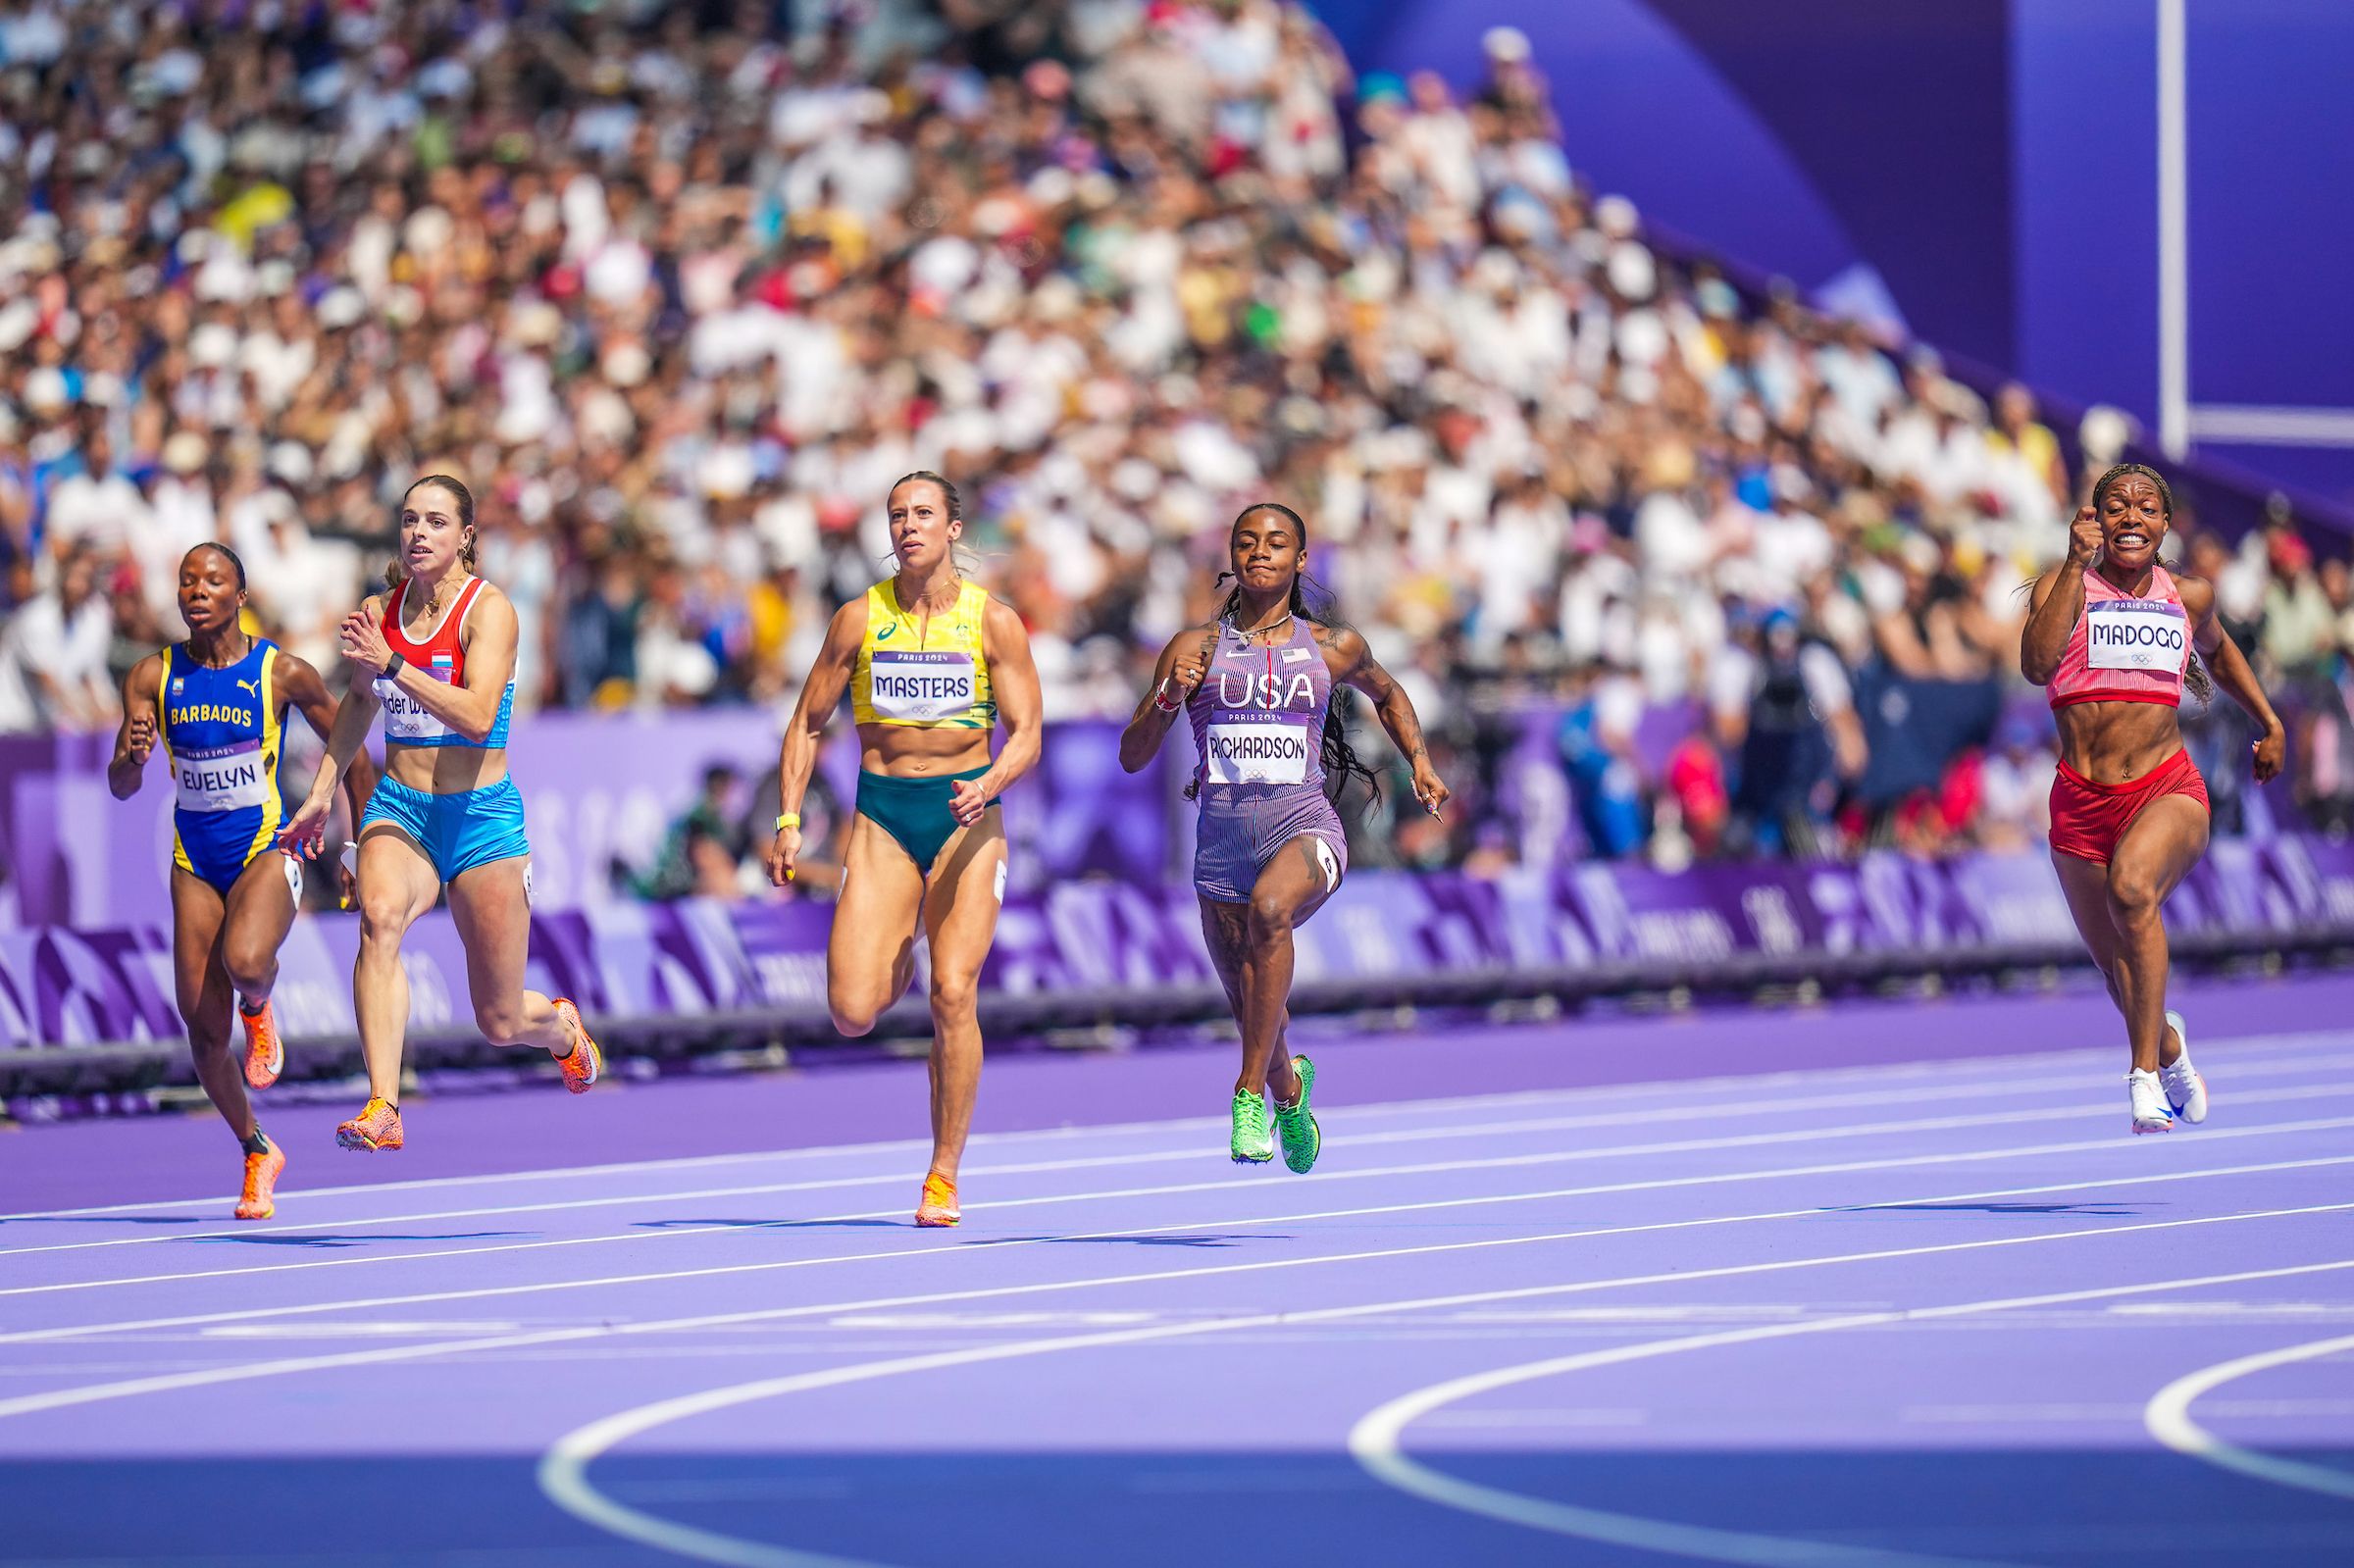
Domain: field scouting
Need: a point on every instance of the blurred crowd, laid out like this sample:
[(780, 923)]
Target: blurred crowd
[(680, 288)]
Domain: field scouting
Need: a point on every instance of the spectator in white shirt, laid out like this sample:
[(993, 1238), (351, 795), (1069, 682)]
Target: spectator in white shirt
[(97, 509), (53, 673)]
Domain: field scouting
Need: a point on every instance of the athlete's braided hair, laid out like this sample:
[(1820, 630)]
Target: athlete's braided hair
[(1341, 761), (2194, 669), (2125, 471)]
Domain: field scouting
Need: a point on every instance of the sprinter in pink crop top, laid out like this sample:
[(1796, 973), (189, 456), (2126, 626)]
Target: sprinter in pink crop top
[(2110, 636)]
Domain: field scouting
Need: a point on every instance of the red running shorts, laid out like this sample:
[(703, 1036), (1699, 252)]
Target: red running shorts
[(2088, 819)]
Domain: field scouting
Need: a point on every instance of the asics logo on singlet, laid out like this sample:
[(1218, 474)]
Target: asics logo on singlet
[(1265, 691), (888, 633)]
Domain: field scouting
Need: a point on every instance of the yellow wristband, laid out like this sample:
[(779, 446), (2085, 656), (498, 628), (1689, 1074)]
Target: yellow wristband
[(791, 819)]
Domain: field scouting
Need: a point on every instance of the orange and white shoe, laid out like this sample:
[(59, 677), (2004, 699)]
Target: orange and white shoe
[(261, 1171), (938, 1205), (376, 1129), (586, 1064), (264, 1053)]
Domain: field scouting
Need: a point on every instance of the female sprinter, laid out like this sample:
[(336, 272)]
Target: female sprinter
[(932, 663), (1257, 683), (438, 655), (2109, 634), (218, 703)]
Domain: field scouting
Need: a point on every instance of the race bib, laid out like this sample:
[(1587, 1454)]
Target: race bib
[(1244, 749), (223, 777), (920, 688), (405, 718), (2146, 635)]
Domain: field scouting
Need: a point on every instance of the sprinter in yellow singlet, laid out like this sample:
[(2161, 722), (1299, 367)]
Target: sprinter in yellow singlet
[(933, 665)]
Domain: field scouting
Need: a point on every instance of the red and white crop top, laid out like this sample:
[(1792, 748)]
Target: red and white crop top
[(2124, 648), (441, 654)]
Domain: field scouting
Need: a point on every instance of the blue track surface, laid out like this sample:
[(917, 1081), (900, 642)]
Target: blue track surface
[(1897, 1314)]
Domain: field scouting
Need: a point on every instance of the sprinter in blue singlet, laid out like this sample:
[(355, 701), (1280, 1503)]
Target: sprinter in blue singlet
[(218, 704)]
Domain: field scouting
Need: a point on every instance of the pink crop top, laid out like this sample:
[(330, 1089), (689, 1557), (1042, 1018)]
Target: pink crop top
[(2126, 649)]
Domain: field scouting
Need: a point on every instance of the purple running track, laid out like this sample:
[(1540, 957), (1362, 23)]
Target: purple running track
[(1879, 1283)]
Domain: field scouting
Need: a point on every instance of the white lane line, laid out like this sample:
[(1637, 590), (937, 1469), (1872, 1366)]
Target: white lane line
[(162, 1383), (564, 1469), (2093, 1145), (2169, 1419), (1952, 1077), (1376, 1440), (2108, 1146), (1481, 1130), (249, 1314), (1427, 1168)]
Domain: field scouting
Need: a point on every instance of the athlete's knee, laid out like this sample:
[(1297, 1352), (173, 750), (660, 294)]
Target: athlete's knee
[(384, 915), (853, 1016), (1270, 920), (501, 1022), (252, 966), (206, 1041), (2133, 896), (955, 994)]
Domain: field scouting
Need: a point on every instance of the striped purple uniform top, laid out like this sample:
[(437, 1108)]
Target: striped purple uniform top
[(1259, 749)]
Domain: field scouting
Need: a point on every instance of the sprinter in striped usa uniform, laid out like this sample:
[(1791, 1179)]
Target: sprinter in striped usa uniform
[(1257, 685)]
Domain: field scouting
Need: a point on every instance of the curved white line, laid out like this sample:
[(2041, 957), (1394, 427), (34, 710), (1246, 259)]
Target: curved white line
[(2169, 1419), (164, 1382), (564, 1469), (1376, 1440)]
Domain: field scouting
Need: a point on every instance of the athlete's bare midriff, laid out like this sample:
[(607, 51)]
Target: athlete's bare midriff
[(914, 751), (2117, 742), (444, 770)]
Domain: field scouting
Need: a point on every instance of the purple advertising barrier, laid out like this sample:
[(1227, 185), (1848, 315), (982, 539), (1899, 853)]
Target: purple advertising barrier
[(599, 790), (640, 961)]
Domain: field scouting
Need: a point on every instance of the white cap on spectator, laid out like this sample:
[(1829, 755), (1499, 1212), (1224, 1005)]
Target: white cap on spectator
[(1051, 186), (213, 345), (340, 307), (626, 363), (1632, 270), (1507, 46), (1615, 216), (184, 452), (726, 471), (524, 420), (45, 389), (2104, 433), (535, 323), (290, 463), (18, 317), (104, 390)]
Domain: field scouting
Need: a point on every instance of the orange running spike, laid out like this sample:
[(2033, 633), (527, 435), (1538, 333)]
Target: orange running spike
[(586, 1064), (374, 1129), (264, 1053), (261, 1171), (939, 1203)]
